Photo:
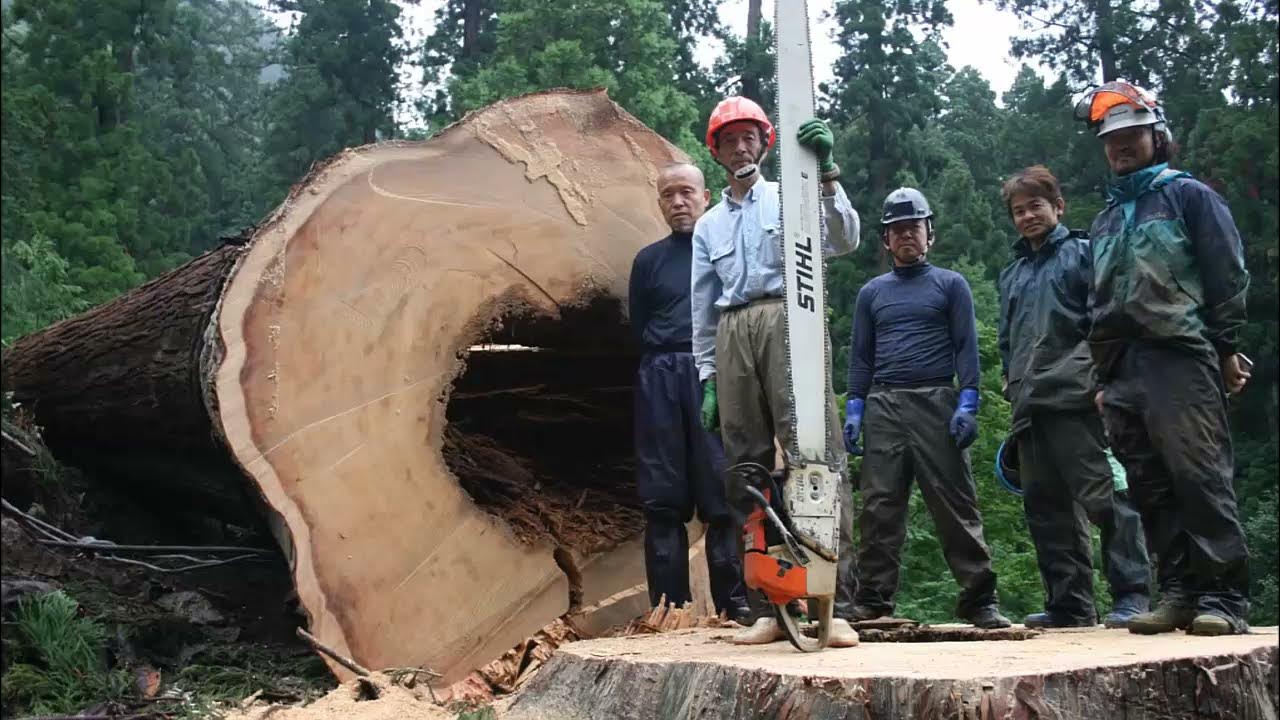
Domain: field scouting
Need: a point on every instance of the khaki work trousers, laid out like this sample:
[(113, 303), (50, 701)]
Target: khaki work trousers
[(754, 395)]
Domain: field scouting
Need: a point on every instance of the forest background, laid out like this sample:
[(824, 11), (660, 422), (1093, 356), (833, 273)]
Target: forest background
[(139, 133)]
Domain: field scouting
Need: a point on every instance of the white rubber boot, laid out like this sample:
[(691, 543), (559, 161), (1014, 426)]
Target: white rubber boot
[(842, 634), (765, 630)]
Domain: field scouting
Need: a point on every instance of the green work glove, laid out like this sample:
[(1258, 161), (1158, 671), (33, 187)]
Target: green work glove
[(816, 134), (710, 408)]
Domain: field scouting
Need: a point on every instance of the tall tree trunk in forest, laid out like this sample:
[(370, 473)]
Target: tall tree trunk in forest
[(470, 27), (750, 80), (1106, 39), (419, 364)]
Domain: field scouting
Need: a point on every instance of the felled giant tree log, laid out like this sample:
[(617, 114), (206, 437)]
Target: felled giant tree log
[(420, 360)]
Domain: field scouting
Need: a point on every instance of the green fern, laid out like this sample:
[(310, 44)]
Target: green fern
[(61, 669)]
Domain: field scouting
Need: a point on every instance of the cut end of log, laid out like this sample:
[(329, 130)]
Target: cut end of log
[(427, 374)]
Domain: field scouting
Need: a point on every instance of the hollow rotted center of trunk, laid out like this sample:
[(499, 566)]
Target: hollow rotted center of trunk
[(540, 427)]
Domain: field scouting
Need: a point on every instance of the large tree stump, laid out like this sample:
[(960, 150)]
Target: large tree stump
[(421, 362), (1058, 676)]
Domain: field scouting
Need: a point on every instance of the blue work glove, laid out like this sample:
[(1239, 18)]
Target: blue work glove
[(853, 409), (710, 406), (964, 422)]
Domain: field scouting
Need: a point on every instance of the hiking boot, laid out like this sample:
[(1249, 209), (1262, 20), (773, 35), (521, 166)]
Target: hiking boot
[(1125, 609), (1167, 617), (1043, 620), (862, 613), (765, 630), (1206, 624), (988, 618), (842, 634)]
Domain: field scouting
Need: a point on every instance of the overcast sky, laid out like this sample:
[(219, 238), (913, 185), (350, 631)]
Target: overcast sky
[(979, 37)]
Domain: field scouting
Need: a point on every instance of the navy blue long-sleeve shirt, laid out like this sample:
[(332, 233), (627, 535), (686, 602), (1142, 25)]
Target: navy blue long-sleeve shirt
[(661, 317), (913, 325)]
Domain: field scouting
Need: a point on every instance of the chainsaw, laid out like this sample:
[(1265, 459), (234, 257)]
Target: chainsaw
[(791, 535)]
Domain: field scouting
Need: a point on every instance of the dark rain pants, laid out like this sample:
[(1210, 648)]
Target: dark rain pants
[(1166, 415), (906, 430), (680, 467), (755, 408), (1064, 470)]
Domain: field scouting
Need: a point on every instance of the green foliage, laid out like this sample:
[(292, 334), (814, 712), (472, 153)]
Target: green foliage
[(60, 666), (341, 87), (628, 47)]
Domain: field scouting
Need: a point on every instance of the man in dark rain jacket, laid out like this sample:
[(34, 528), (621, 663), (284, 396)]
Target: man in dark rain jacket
[(679, 465), (914, 335), (1168, 303), (1061, 446)]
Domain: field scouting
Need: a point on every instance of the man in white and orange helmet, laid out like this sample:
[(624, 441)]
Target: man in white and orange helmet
[(1167, 305), (739, 324)]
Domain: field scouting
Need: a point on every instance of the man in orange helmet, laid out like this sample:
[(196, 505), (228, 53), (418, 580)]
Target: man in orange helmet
[(1167, 305), (739, 323)]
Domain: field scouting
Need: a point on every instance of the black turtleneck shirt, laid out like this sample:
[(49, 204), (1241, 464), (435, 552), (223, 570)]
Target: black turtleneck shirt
[(914, 325), (659, 298)]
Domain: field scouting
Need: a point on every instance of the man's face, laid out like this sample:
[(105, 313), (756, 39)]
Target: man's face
[(738, 144), (1129, 149), (908, 241), (682, 197), (1034, 216)]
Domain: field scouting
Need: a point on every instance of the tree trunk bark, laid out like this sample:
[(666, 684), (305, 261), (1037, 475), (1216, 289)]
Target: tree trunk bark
[(1065, 676), (1106, 40), (751, 82), (421, 363), (470, 27)]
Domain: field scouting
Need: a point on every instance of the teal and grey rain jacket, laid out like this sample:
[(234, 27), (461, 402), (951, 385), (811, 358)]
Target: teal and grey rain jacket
[(1168, 268)]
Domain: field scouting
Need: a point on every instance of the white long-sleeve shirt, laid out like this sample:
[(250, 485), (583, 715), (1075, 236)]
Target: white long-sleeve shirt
[(738, 257)]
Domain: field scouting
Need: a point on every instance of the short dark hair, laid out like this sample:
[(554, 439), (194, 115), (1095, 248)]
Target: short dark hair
[(1035, 181)]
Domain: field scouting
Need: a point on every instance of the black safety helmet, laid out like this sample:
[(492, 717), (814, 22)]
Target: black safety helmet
[(905, 204)]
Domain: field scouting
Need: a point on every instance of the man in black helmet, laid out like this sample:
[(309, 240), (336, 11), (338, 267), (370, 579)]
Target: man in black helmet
[(914, 336)]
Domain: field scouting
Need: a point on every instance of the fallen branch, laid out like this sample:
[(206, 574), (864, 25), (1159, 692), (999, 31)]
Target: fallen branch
[(17, 443), (53, 536), (108, 545), (334, 655), (184, 568)]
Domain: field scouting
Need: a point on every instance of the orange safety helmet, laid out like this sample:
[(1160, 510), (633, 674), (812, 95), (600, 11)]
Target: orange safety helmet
[(1119, 104), (735, 108)]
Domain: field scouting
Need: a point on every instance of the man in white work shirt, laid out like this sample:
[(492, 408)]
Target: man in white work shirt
[(739, 324)]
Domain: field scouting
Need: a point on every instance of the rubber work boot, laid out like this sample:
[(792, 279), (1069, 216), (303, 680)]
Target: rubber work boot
[(842, 634), (1125, 608), (740, 615), (765, 630), (1167, 617), (1206, 624), (1048, 620), (988, 618), (862, 613)]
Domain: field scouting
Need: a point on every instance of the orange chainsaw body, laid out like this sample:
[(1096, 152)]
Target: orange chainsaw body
[(779, 579)]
